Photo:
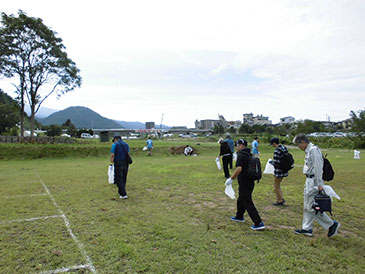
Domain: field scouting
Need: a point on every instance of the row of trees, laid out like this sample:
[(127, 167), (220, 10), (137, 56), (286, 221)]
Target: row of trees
[(34, 58)]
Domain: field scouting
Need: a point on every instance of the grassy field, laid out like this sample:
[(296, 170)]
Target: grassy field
[(59, 213)]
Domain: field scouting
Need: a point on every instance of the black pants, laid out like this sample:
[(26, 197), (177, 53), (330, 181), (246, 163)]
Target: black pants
[(231, 161), (226, 160), (244, 202), (120, 176)]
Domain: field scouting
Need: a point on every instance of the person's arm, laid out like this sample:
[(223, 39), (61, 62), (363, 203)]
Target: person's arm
[(112, 158), (237, 172)]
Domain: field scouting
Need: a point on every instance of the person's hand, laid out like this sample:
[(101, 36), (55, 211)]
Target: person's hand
[(271, 162), (110, 164), (228, 182), (320, 188)]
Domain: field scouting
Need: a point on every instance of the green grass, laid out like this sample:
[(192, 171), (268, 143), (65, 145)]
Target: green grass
[(176, 219)]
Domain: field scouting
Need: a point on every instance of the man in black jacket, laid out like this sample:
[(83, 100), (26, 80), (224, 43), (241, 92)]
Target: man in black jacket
[(225, 153), (245, 187)]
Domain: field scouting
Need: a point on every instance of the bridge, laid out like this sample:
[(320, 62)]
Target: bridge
[(107, 134)]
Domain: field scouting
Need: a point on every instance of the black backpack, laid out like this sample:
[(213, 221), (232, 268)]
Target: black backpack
[(328, 172), (253, 170), (286, 161)]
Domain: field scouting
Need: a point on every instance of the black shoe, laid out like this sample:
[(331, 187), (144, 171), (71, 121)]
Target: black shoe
[(304, 232), (279, 203), (332, 231)]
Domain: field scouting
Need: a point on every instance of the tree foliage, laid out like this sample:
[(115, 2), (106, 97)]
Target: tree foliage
[(358, 126), (32, 56)]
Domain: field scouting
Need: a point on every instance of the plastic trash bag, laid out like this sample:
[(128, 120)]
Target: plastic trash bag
[(330, 192), (235, 156), (145, 148), (269, 168), (218, 162), (111, 174), (357, 154), (230, 192)]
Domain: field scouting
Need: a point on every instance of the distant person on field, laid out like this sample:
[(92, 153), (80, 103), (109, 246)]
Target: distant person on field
[(278, 173), (118, 157), (313, 169), (225, 153), (149, 144), (188, 150), (245, 187), (230, 143), (255, 147)]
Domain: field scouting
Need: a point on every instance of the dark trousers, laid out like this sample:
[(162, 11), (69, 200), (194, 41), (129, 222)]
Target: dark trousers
[(231, 161), (244, 202), (225, 160), (120, 176)]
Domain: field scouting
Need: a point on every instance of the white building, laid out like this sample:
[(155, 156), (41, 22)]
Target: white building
[(287, 120)]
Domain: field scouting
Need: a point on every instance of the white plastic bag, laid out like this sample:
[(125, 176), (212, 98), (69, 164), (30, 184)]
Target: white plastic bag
[(269, 168), (111, 174), (144, 148), (357, 154), (235, 156), (330, 192), (218, 162), (230, 192)]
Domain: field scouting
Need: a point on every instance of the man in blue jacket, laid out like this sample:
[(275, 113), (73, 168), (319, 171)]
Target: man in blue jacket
[(118, 157)]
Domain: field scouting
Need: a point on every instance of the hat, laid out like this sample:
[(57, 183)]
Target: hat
[(241, 141), (274, 140), (220, 140)]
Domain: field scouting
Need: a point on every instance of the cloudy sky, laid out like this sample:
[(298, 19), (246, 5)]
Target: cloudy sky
[(196, 59)]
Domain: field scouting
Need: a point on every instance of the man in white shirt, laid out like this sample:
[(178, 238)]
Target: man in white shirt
[(313, 169)]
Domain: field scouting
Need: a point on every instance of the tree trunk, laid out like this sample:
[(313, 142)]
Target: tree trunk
[(22, 116), (32, 120)]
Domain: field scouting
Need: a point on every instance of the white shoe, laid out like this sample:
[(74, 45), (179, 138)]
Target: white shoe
[(123, 197)]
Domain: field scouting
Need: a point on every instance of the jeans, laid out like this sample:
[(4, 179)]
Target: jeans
[(120, 176)]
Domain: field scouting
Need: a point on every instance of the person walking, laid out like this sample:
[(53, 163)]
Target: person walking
[(279, 174), (118, 157), (313, 170), (255, 147), (225, 153), (230, 143), (245, 187), (149, 145)]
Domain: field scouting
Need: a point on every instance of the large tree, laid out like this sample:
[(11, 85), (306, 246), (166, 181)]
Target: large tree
[(32, 55)]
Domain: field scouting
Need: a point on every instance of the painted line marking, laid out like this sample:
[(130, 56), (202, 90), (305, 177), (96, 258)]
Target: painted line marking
[(28, 195), (67, 269), (68, 226), (30, 219)]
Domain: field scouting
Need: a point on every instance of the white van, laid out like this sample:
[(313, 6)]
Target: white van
[(86, 136)]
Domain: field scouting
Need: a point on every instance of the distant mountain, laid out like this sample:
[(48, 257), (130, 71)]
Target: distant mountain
[(43, 112), (137, 125), (81, 117), (131, 125)]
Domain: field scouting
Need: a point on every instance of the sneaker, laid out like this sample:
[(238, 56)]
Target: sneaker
[(123, 197), (332, 231), (278, 203), (304, 232), (260, 226), (237, 219)]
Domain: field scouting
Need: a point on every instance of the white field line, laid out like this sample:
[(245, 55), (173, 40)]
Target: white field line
[(30, 219), (66, 269), (68, 226), (28, 195)]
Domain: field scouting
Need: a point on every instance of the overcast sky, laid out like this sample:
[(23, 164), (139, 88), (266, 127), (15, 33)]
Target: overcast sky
[(196, 59)]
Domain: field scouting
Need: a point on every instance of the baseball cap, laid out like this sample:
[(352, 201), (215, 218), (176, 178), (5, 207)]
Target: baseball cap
[(241, 141), (117, 137), (274, 140)]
